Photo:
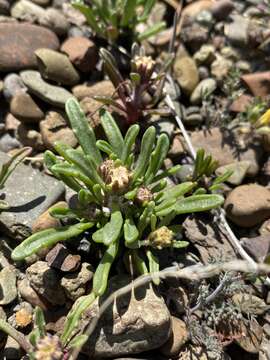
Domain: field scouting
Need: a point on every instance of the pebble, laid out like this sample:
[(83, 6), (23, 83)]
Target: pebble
[(248, 205), (82, 52), (241, 103), (239, 168), (12, 86), (220, 68), (29, 136), (205, 55), (179, 336), (46, 221), (75, 284), (192, 10), (221, 9), (258, 247), (258, 83), (186, 73), (24, 108), (237, 31), (60, 258), (25, 39), (251, 338), (29, 294), (46, 282), (54, 128), (29, 194), (8, 289), (56, 67), (8, 143), (12, 350), (204, 88), (101, 88), (54, 95), (51, 18)]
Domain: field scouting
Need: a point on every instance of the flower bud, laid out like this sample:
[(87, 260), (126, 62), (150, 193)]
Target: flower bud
[(161, 238), (117, 176)]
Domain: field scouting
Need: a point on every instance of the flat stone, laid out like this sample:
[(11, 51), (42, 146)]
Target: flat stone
[(54, 95), (57, 67), (241, 104), (251, 338), (239, 169), (25, 40), (24, 108), (8, 289), (204, 88), (220, 145), (250, 304), (258, 247), (237, 30), (101, 88), (141, 322), (29, 193)]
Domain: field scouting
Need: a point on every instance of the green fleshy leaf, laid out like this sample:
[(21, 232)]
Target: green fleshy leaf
[(175, 192), (129, 12), (101, 275), (139, 263), (129, 141), (112, 132), (83, 132), (153, 266), (46, 239), (131, 233), (89, 15), (197, 203), (78, 342), (152, 30), (40, 322), (111, 231)]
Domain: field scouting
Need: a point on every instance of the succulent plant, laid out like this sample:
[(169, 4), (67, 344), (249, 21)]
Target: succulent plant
[(138, 96), (124, 201), (111, 19)]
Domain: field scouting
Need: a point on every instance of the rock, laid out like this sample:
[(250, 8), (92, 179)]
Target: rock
[(248, 205), (56, 67), (251, 337), (164, 126), (241, 103), (29, 137), (221, 67), (141, 322), (101, 88), (75, 284), (221, 146), (205, 55), (186, 73), (12, 350), (239, 169), (8, 290), (203, 232), (29, 294), (258, 83), (237, 31), (185, 173), (177, 339), (194, 36), (90, 107), (192, 10), (46, 221), (51, 18), (221, 9), (12, 86), (60, 258), (205, 18), (54, 95), (249, 304), (25, 40), (8, 143), (204, 88), (4, 7), (258, 247), (82, 52), (264, 353), (46, 282), (54, 128), (176, 148), (24, 108), (29, 194), (193, 116)]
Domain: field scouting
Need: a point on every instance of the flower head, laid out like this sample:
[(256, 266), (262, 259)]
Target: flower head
[(49, 348)]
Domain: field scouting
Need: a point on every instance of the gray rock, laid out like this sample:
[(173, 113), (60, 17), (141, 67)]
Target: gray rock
[(221, 67), (8, 142), (29, 193), (164, 125), (141, 323), (237, 30), (28, 11), (12, 86), (4, 7), (75, 284), (204, 88), (206, 54), (54, 95), (186, 73), (56, 67), (240, 170), (12, 350), (46, 282), (8, 289)]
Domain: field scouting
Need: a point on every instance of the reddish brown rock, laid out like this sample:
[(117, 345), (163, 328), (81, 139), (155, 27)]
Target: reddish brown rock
[(82, 52), (240, 104), (222, 8), (46, 221), (11, 123), (24, 108), (60, 258), (258, 83), (25, 40), (193, 9), (104, 88)]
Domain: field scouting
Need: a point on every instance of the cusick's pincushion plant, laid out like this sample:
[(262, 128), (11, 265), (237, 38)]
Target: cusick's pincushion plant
[(124, 201)]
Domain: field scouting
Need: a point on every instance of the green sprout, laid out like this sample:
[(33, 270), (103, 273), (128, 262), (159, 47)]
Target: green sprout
[(113, 19), (131, 93), (124, 202)]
